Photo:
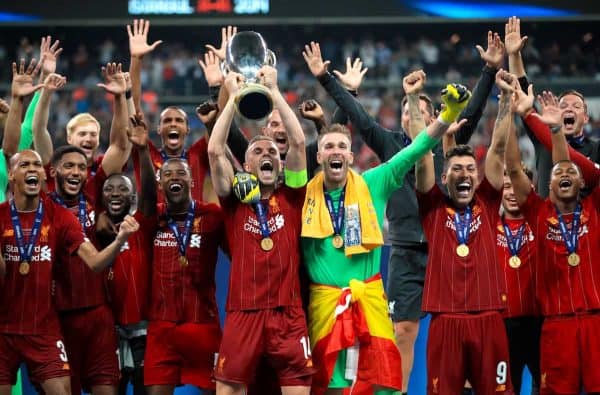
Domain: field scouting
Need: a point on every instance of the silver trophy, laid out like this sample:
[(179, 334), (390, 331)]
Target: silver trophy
[(246, 53)]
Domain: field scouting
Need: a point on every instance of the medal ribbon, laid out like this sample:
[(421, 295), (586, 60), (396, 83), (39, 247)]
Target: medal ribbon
[(463, 225), (183, 238), (337, 217), (570, 238), (261, 215), (514, 243), (164, 155), (82, 206), (26, 252)]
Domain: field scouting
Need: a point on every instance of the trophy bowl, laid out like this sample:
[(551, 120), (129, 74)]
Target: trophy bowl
[(246, 53)]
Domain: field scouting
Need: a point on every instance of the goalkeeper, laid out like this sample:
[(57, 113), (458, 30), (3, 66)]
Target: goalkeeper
[(342, 219), (264, 318)]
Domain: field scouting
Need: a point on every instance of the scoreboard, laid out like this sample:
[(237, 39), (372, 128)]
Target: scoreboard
[(315, 11)]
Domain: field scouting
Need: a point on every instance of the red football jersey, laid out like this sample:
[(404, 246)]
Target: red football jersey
[(27, 306), (455, 284), (197, 158), (264, 279), (129, 284), (561, 288), (91, 185), (186, 293), (78, 286), (520, 285)]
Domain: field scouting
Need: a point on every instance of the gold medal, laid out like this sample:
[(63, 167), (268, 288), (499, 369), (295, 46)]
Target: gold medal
[(337, 241), (514, 262), (462, 250), (24, 268), (183, 261), (266, 244), (573, 259)]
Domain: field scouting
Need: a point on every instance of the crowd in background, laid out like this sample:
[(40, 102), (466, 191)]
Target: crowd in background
[(444, 52)]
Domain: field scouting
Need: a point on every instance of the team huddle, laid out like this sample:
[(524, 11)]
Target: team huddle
[(105, 280)]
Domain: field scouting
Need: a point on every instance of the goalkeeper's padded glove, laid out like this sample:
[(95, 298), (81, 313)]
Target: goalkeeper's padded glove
[(455, 98), (246, 187)]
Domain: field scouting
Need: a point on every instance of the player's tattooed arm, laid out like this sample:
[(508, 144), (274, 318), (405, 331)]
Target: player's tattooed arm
[(494, 160), (220, 167), (413, 85)]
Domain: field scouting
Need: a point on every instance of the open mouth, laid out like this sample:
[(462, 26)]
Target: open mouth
[(569, 121), (336, 164), (173, 136), (175, 187), (565, 184), (75, 182), (463, 189), (266, 167), (87, 148), (32, 180), (116, 204)]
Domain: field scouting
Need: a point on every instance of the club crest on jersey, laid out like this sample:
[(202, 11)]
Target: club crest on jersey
[(44, 233), (476, 210)]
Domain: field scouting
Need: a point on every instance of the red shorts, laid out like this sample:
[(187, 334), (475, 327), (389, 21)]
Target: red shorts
[(570, 349), (181, 353), (279, 335), (44, 355), (91, 340), (470, 347)]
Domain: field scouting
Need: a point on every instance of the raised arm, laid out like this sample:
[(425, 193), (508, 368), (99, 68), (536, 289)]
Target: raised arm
[(220, 167), (99, 260), (378, 138), (514, 44), (351, 80), (311, 110), (494, 160), (553, 140), (211, 67), (493, 56), (118, 151), (138, 135), (22, 86), (295, 158), (413, 85), (138, 47), (521, 104), (42, 141), (455, 97)]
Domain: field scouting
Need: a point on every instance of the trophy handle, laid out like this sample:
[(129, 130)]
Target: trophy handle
[(271, 58)]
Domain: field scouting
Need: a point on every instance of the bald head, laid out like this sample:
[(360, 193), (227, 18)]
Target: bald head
[(28, 153)]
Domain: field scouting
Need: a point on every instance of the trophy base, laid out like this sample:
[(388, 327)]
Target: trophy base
[(254, 102)]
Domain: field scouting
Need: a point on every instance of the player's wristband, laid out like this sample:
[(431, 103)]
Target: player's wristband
[(128, 94), (443, 121), (295, 179)]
